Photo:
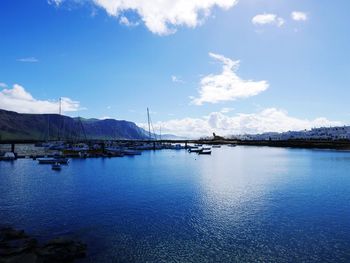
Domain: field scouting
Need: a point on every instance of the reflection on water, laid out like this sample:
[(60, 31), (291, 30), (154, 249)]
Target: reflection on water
[(242, 204)]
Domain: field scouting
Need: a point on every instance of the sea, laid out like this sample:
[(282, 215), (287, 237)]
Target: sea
[(239, 204)]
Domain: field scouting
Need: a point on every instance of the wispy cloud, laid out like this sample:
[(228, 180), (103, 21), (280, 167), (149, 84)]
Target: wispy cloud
[(3, 85), (54, 2), (226, 110), (176, 79), (20, 100), (161, 17), (126, 22), (266, 120), (299, 16), (227, 86), (268, 19), (28, 60)]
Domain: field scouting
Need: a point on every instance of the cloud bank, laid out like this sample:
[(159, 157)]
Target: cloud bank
[(19, 100), (227, 86), (267, 120), (161, 17)]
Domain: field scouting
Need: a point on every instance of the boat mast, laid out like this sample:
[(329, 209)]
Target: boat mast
[(149, 125), (82, 128), (60, 106), (59, 113), (160, 132), (48, 128)]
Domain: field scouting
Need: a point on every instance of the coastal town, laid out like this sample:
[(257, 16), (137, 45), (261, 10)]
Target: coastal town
[(325, 133)]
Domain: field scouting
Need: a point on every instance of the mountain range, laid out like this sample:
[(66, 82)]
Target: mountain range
[(20, 126)]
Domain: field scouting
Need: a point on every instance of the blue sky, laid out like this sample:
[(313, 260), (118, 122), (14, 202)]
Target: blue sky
[(109, 63)]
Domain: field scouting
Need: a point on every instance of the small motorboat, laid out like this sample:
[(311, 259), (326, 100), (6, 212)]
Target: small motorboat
[(195, 150), (178, 147), (46, 160), (206, 151), (56, 166), (53, 160)]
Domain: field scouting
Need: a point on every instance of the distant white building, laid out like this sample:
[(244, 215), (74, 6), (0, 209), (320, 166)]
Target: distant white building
[(331, 133)]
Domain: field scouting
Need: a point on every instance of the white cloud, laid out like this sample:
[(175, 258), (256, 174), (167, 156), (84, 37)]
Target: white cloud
[(227, 86), (162, 16), (105, 118), (176, 79), (126, 22), (28, 60), (267, 120), (54, 2), (226, 110), (3, 85), (299, 16), (268, 19), (19, 100)]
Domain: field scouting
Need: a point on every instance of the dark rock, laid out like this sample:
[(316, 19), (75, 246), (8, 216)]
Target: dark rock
[(8, 233), (22, 258), (62, 250), (16, 246)]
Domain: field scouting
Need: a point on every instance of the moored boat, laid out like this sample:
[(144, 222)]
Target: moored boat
[(53, 160), (178, 147), (56, 166), (8, 156), (206, 151), (79, 147), (195, 150)]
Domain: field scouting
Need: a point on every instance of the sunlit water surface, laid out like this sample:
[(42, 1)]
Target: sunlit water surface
[(242, 204)]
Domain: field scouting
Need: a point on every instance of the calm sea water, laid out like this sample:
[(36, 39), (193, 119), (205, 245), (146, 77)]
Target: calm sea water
[(242, 204)]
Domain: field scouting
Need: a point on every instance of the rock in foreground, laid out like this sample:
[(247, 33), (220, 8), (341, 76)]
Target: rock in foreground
[(17, 247)]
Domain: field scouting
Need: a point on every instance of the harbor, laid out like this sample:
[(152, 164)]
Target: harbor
[(175, 206), (19, 149)]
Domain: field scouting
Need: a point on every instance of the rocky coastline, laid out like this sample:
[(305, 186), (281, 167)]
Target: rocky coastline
[(18, 247)]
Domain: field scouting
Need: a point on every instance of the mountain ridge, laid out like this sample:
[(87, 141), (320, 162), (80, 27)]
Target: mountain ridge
[(28, 126)]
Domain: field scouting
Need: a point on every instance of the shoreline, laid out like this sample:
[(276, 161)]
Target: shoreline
[(304, 144), (343, 145)]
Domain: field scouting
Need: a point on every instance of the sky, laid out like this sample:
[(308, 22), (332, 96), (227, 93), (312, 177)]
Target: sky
[(201, 66)]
